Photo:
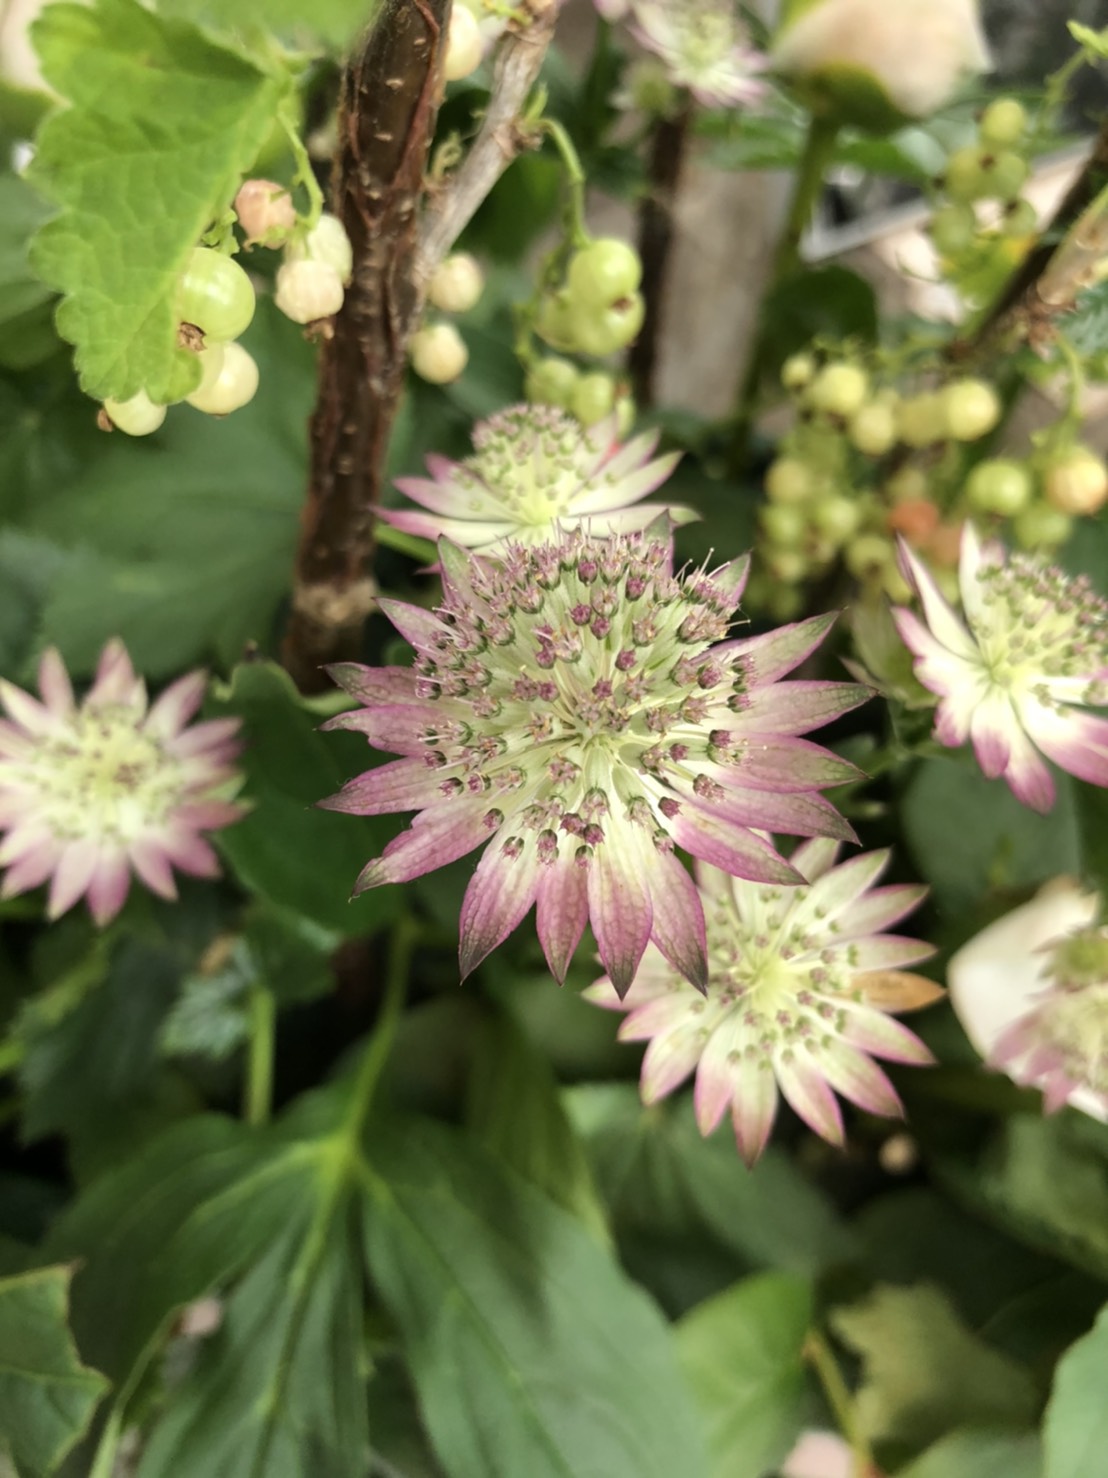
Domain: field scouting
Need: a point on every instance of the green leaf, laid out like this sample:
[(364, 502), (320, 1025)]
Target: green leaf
[(47, 1396), (531, 1351), (925, 1372), (1095, 43), (333, 23), (182, 543), (980, 1455), (1086, 327), (742, 1355), (28, 568), (1000, 844), (830, 303), (288, 850), (1075, 1428), (21, 213), (515, 1111), (163, 124)]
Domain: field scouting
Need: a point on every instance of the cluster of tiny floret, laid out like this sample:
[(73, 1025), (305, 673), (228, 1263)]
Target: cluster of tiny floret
[(1034, 616)]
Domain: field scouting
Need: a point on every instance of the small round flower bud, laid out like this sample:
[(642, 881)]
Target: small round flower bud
[(308, 291), (839, 389), (457, 284), (999, 485), (234, 385), (972, 409), (438, 353), (265, 212), (464, 47), (873, 428), (138, 416), (326, 242), (1076, 481)]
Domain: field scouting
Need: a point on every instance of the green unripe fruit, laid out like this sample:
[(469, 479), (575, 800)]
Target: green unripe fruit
[(603, 331), (1003, 123), (1042, 527), (215, 295), (873, 428), (594, 397), (458, 282), (1076, 481), (138, 416), (1007, 174), (1020, 218), (921, 420), (788, 565), (965, 179), (784, 523), (603, 272), (999, 485), (867, 555), (233, 385), (553, 323), (837, 517), (788, 480), (908, 485), (438, 353), (894, 584), (953, 229), (838, 390), (551, 381), (798, 371), (972, 409)]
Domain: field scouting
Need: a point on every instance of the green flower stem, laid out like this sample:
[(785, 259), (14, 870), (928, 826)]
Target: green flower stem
[(576, 230), (404, 935), (258, 1089), (818, 1353), (390, 538), (305, 174), (819, 147)]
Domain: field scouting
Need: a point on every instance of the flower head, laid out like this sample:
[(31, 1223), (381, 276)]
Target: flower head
[(1031, 991), (1012, 676), (915, 51), (574, 709), (536, 469), (704, 46), (798, 984), (91, 791)]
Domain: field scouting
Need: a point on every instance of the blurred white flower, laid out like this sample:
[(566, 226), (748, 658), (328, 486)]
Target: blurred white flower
[(819, 1455)]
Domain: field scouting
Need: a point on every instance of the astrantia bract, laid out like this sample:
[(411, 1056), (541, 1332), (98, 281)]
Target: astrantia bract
[(795, 978), (574, 708), (704, 46), (534, 470), (1033, 646), (91, 791)]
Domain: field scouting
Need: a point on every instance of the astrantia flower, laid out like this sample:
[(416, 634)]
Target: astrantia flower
[(570, 709), (91, 791), (1033, 646), (798, 988), (705, 47), (1031, 991), (536, 469)]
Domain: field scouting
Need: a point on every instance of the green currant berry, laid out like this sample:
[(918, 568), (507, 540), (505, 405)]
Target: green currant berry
[(921, 420), (788, 564), (999, 485), (1020, 218), (972, 409), (594, 397), (1076, 481), (438, 353), (215, 295), (953, 229), (798, 371), (308, 291), (908, 486), (138, 416), (1007, 174), (553, 324), (233, 386), (602, 331), (966, 179), (551, 381), (867, 555), (1042, 527), (838, 389), (789, 480), (603, 272), (464, 46), (784, 523), (837, 517), (458, 282), (873, 428), (1003, 123), (326, 242)]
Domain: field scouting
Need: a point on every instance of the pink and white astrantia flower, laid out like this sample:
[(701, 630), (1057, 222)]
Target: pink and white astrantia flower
[(574, 710), (794, 977), (1031, 991), (1011, 677), (91, 791), (536, 470), (704, 46)]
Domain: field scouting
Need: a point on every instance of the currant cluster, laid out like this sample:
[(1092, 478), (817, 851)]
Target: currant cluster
[(594, 311), (437, 350), (1041, 495)]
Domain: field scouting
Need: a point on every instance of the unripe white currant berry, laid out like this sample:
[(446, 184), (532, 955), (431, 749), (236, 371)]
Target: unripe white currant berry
[(464, 47), (1003, 123), (999, 485), (326, 242), (1076, 481), (789, 565), (594, 397), (458, 283), (873, 428), (868, 555), (265, 212), (972, 409), (908, 485), (789, 480), (234, 385), (837, 517), (839, 389), (921, 420), (438, 353), (798, 371), (1042, 527), (308, 291), (551, 381), (784, 523), (138, 416)]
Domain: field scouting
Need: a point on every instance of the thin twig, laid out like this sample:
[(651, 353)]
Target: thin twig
[(499, 141), (656, 217)]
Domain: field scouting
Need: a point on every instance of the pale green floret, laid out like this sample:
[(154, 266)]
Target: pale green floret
[(1036, 625)]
